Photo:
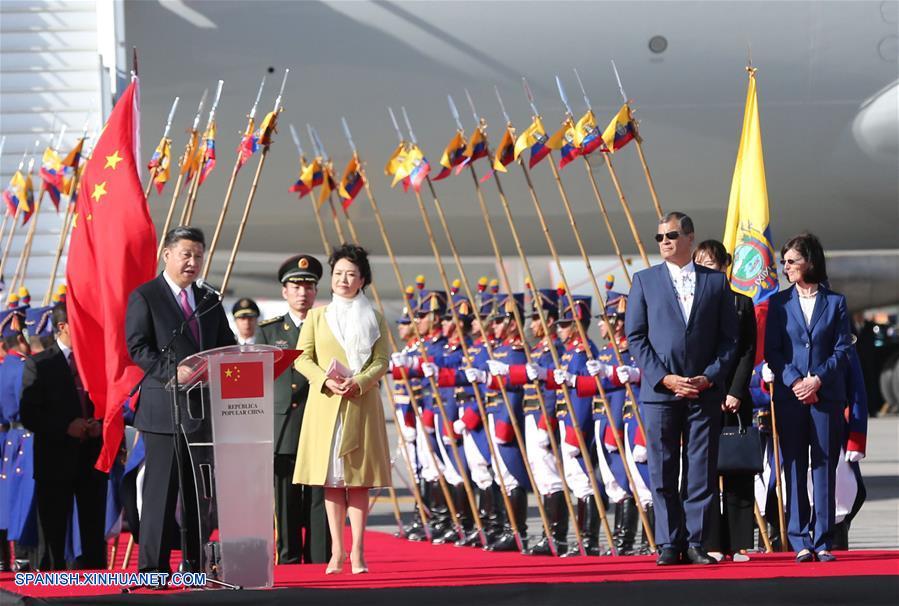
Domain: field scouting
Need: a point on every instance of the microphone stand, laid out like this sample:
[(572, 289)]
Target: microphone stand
[(168, 353)]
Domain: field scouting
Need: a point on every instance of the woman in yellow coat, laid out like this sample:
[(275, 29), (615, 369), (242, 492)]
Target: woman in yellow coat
[(343, 442)]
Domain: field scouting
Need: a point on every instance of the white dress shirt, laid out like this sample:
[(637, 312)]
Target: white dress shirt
[(684, 281), (249, 341), (808, 307), (66, 351), (297, 320), (176, 290)]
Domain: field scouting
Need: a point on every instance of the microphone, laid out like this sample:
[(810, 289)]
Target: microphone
[(208, 288)]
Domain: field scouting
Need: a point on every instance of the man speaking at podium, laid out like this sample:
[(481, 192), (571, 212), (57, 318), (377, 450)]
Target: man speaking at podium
[(156, 310)]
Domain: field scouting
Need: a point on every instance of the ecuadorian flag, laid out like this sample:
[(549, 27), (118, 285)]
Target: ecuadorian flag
[(620, 130)]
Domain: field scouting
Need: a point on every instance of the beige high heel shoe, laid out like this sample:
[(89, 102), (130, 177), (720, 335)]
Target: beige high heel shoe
[(335, 568), (358, 569)]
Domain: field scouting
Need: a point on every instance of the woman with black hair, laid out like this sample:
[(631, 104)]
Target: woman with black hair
[(807, 342), (732, 530), (343, 442)]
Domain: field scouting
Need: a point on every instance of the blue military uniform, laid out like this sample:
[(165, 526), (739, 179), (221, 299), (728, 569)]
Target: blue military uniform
[(17, 473)]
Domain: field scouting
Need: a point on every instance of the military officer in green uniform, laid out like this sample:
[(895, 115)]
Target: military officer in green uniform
[(301, 524), (246, 319)]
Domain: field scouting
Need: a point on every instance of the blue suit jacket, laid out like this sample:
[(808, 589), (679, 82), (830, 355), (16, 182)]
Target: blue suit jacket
[(664, 344), (794, 349)]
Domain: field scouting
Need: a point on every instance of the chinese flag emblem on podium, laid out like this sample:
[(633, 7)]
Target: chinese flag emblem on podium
[(242, 380)]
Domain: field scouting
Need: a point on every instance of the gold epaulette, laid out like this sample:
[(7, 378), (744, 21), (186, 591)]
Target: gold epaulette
[(271, 321)]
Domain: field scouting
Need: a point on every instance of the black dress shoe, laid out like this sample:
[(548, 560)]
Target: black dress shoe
[(805, 556), (696, 555), (825, 556), (668, 556)]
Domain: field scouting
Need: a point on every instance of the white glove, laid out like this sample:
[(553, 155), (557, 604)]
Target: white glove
[(854, 456), (563, 377), (639, 453), (628, 374), (459, 427), (570, 451), (595, 367), (473, 375), (535, 372), (542, 438), (400, 358), (446, 440), (610, 447), (429, 369), (767, 374), (499, 369), (409, 433)]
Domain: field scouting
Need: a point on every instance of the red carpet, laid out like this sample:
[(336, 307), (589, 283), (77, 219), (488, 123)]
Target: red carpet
[(396, 563)]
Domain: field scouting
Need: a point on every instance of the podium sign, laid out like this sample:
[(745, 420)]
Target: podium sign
[(241, 405)]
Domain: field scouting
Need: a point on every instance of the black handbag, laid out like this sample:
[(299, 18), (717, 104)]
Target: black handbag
[(740, 449)]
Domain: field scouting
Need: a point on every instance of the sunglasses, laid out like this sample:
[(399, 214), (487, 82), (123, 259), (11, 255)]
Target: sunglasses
[(500, 320), (671, 235), (791, 261)]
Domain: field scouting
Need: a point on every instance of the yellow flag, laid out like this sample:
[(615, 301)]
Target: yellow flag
[(535, 133), (747, 232)]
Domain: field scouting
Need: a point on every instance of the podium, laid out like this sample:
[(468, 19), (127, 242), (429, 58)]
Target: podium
[(226, 413)]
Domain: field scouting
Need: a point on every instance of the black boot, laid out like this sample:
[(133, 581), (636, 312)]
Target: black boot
[(591, 527), (645, 548), (485, 511), (557, 512), (440, 518), (841, 536), (460, 501), (624, 543), (416, 530), (616, 531), (507, 542), (4, 553)]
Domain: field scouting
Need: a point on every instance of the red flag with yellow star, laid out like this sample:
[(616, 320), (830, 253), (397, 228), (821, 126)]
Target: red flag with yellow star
[(111, 252), (242, 380)]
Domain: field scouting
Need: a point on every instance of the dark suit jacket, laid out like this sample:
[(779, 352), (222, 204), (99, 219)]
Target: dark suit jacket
[(291, 388), (663, 344), (49, 403), (794, 349), (153, 316)]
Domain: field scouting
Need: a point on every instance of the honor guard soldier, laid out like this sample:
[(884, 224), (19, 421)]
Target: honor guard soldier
[(246, 317), (428, 320), (850, 491), (301, 524), (536, 425), (508, 349), (17, 512), (453, 398), (469, 425), (573, 361)]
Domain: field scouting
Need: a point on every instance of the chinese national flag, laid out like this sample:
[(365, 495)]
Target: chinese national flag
[(112, 251), (242, 380)]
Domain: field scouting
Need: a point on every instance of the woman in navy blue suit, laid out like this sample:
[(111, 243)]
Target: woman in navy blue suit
[(807, 345)]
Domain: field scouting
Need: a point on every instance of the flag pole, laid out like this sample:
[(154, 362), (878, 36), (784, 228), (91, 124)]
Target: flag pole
[(482, 537), (266, 140), (15, 221), (488, 344), (22, 253), (67, 223), (251, 116), (192, 194), (647, 527), (327, 173), (589, 168), (639, 140), (183, 164), (582, 444), (507, 284), (326, 246), (778, 470), (162, 142)]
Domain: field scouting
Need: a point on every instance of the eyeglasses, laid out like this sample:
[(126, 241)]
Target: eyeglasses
[(671, 235), (791, 261)]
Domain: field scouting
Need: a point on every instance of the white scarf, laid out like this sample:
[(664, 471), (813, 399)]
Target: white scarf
[(355, 326)]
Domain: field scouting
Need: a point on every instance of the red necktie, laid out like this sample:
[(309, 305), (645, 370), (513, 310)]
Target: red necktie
[(189, 313)]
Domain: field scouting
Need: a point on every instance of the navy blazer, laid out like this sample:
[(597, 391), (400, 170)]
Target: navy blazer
[(663, 344), (793, 349)]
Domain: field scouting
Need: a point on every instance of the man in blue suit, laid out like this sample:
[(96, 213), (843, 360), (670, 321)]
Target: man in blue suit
[(682, 328)]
